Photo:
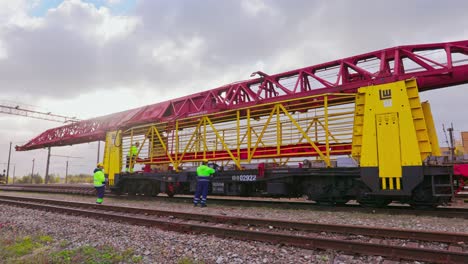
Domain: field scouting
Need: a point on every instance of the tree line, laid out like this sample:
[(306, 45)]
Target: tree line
[(53, 178)]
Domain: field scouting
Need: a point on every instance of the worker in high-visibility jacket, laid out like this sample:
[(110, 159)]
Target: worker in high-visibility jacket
[(99, 182), (131, 157), (203, 179)]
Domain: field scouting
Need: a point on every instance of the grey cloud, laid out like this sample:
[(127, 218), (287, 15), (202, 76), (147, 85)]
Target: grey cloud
[(62, 58)]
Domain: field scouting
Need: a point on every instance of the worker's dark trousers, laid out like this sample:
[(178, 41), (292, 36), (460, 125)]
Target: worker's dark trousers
[(100, 193), (127, 164), (202, 190)]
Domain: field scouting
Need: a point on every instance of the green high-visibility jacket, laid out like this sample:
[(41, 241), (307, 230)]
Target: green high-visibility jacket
[(133, 151), (99, 178), (204, 171)]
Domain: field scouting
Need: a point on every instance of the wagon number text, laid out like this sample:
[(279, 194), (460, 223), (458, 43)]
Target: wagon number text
[(244, 177)]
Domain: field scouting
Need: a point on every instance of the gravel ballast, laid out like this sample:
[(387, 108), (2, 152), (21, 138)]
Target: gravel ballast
[(157, 246)]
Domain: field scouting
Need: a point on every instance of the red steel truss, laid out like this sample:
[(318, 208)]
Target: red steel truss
[(434, 66)]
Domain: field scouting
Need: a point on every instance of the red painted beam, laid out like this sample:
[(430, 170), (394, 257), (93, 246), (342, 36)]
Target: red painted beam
[(435, 66), (298, 150)]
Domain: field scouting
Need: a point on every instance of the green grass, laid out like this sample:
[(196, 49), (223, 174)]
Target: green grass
[(22, 246), (94, 255), (41, 249), (186, 260)]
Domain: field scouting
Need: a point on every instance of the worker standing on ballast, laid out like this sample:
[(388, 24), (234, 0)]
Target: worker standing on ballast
[(131, 157), (99, 182), (203, 179)]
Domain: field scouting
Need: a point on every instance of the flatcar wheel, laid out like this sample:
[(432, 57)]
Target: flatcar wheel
[(422, 206), (155, 190), (170, 190), (422, 198), (341, 201), (362, 198), (325, 202), (116, 191), (365, 203), (374, 203), (381, 202), (131, 189), (148, 189)]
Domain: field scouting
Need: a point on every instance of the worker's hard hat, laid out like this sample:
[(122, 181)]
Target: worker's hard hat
[(205, 160), (100, 164)]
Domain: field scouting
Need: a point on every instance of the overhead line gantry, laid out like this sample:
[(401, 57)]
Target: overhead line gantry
[(16, 109), (21, 111)]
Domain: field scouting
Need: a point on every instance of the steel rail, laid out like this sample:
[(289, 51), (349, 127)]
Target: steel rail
[(445, 212), (431, 236), (396, 252), (50, 189)]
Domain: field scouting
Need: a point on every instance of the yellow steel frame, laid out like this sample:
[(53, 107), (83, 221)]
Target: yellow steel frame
[(112, 155), (392, 129), (236, 132)]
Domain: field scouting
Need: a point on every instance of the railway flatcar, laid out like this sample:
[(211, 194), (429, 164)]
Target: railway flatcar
[(384, 132), (286, 134)]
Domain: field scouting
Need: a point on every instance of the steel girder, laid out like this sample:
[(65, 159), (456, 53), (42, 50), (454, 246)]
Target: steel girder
[(265, 132), (434, 66)]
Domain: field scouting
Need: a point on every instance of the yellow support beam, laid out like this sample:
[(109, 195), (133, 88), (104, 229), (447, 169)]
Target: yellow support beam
[(238, 135), (391, 131), (263, 131), (112, 159), (190, 141), (176, 152), (327, 142), (327, 161), (278, 132), (163, 144), (249, 136), (251, 133), (223, 143), (434, 141)]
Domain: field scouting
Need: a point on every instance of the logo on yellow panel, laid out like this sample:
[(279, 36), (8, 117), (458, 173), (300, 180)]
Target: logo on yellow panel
[(385, 94)]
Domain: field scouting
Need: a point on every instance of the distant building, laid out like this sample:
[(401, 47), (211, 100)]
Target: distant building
[(464, 139), (461, 147)]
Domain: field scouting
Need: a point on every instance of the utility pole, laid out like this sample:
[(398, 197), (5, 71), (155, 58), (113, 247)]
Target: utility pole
[(66, 168), (8, 166), (32, 171), (66, 173), (47, 166), (16, 109), (452, 149), (98, 150)]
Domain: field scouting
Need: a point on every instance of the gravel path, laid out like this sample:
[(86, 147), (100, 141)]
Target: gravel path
[(157, 246)]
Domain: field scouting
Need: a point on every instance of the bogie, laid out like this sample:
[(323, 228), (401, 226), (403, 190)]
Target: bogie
[(328, 186)]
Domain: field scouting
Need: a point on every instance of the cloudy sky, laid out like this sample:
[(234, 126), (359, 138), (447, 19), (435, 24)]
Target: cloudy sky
[(91, 58)]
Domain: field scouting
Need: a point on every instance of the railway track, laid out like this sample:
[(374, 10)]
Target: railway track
[(397, 244), (59, 188), (446, 212)]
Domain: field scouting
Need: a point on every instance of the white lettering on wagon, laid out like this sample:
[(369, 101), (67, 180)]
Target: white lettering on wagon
[(248, 177)]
